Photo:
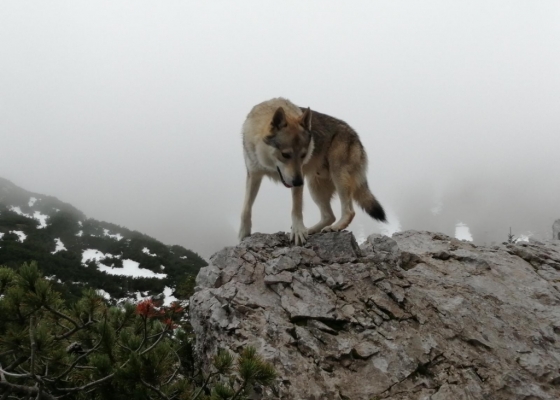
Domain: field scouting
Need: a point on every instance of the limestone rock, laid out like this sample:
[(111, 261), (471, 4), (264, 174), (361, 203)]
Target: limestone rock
[(420, 315)]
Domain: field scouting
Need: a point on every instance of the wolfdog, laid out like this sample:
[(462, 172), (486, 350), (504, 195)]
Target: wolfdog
[(287, 143)]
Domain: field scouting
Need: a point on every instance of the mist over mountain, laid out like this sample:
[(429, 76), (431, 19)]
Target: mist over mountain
[(489, 205), (77, 252)]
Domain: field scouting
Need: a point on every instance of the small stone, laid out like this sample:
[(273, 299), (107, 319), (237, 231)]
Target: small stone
[(313, 323), (282, 277), (282, 263), (348, 311), (335, 247), (365, 350), (384, 243)]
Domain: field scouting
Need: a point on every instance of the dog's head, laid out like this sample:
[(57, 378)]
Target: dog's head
[(291, 145)]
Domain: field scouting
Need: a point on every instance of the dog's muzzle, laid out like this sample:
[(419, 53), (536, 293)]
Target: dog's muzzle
[(282, 178)]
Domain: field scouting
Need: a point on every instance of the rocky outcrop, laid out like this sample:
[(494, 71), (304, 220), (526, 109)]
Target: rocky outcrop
[(417, 316)]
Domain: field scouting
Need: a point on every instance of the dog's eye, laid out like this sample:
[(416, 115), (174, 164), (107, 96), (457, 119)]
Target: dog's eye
[(303, 155), (286, 155)]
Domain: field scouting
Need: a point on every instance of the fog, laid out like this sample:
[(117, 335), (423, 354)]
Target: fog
[(132, 110)]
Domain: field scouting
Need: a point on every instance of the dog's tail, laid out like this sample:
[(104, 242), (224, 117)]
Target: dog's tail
[(369, 203)]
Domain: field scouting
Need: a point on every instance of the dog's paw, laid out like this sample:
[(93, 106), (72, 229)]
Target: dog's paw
[(299, 234), (243, 233), (331, 228), (313, 230)]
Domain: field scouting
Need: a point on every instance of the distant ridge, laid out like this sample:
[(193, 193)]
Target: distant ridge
[(76, 252)]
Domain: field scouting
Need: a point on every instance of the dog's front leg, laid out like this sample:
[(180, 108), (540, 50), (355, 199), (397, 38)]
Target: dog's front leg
[(299, 231), (254, 180)]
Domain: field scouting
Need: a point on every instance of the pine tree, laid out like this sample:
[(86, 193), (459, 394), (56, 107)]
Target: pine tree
[(90, 350)]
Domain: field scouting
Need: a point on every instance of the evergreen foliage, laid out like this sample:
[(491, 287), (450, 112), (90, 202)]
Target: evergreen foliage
[(52, 349)]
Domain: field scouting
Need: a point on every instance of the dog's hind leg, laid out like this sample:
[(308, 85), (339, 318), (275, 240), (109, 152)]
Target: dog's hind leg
[(343, 185), (322, 191), (253, 184)]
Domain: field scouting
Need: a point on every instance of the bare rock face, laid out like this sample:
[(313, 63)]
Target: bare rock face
[(417, 316)]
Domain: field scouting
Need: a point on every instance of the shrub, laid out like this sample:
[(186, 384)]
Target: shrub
[(90, 350)]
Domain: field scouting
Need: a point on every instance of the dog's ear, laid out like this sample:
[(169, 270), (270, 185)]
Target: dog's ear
[(279, 119), (305, 119)]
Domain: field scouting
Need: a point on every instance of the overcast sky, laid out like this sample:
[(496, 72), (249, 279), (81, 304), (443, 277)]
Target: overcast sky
[(132, 110)]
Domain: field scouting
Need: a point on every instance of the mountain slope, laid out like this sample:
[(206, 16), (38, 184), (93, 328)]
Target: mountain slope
[(76, 251)]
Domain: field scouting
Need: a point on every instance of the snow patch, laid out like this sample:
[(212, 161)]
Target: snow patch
[(145, 250), (116, 236), (80, 223), (524, 237), (53, 278), (17, 210), (59, 246), (134, 297), (80, 233), (142, 296), (462, 232), (168, 299), (95, 255), (22, 236), (137, 297), (42, 218), (130, 268), (360, 234), (1, 234), (32, 201), (103, 294)]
